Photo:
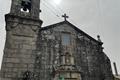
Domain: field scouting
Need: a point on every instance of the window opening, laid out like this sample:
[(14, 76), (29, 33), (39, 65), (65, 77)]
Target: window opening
[(65, 39), (26, 5)]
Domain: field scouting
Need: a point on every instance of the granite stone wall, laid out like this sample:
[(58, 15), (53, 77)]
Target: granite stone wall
[(20, 47), (88, 53), (34, 53)]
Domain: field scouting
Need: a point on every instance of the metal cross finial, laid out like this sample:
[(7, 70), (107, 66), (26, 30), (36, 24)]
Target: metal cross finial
[(65, 16)]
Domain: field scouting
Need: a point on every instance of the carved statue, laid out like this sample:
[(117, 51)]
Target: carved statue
[(27, 75)]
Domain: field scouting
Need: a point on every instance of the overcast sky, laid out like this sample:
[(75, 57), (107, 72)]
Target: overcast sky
[(92, 16)]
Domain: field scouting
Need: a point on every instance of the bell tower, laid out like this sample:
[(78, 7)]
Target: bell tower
[(22, 27), (26, 8)]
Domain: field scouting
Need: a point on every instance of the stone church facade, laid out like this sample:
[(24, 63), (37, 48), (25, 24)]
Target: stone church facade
[(57, 52)]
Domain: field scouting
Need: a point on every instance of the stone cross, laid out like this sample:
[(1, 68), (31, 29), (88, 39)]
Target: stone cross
[(65, 16), (98, 36)]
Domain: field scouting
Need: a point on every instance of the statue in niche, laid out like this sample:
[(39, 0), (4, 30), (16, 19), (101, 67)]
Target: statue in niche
[(27, 75)]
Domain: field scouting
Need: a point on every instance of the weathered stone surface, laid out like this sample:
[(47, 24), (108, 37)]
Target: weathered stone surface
[(89, 57), (20, 47), (43, 51)]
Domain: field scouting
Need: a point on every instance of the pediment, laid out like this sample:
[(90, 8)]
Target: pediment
[(66, 26)]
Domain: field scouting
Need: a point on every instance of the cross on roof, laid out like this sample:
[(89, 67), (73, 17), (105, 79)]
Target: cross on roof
[(65, 16)]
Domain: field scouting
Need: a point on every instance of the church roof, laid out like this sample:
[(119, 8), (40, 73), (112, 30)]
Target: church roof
[(73, 26)]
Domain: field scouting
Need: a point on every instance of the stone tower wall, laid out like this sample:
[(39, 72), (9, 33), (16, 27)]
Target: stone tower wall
[(22, 26), (34, 8), (20, 47)]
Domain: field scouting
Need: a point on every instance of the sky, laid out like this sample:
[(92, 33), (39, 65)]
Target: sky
[(95, 17)]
